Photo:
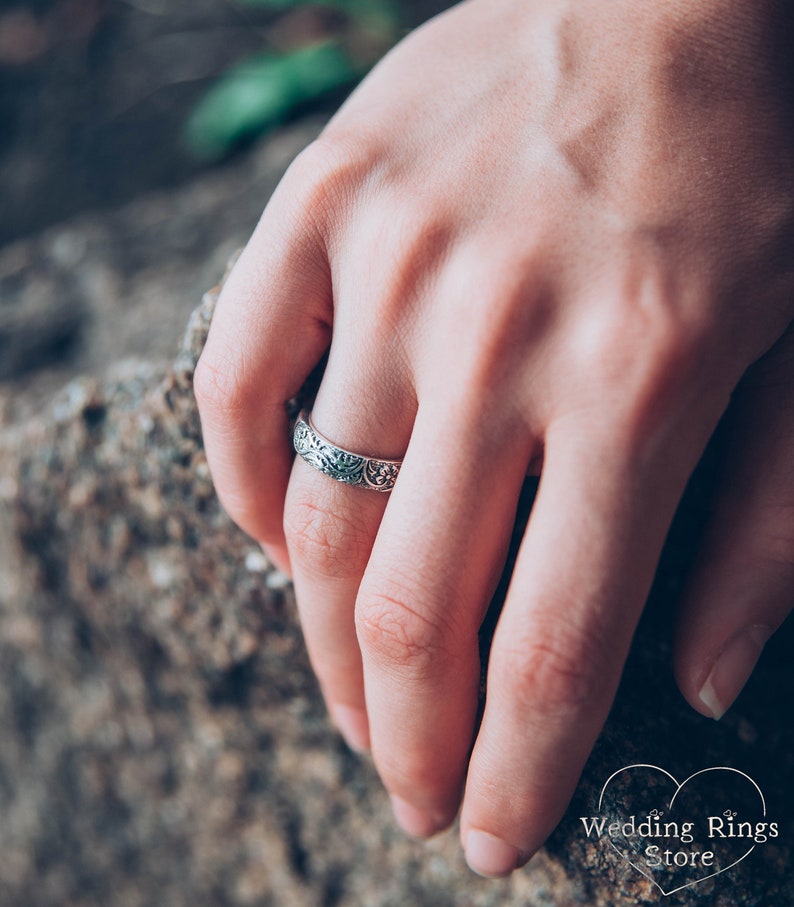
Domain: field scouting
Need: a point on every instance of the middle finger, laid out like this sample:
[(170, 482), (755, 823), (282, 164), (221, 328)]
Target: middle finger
[(433, 569)]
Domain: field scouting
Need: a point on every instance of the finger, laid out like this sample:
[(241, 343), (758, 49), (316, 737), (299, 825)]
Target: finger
[(330, 529), (434, 566), (742, 586), (366, 403), (582, 575), (270, 328)]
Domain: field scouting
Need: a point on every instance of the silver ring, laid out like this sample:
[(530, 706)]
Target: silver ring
[(340, 464)]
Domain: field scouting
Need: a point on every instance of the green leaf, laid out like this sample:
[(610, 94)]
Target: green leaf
[(368, 9), (262, 92)]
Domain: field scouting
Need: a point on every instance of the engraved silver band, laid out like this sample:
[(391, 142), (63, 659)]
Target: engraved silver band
[(340, 464)]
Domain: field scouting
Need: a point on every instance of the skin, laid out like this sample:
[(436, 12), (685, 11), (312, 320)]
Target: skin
[(542, 236)]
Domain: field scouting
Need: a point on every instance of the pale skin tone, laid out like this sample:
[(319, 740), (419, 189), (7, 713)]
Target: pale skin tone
[(542, 236)]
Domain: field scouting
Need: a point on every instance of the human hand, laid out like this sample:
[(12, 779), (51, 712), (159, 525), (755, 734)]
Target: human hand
[(541, 235)]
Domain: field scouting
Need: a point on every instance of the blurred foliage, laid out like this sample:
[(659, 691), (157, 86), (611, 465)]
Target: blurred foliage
[(367, 13), (263, 91)]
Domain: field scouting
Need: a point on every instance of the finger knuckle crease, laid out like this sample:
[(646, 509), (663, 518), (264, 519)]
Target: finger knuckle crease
[(398, 632), (218, 385), (329, 544), (553, 673), (325, 172)]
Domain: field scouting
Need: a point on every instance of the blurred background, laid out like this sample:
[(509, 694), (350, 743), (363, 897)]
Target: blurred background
[(139, 141)]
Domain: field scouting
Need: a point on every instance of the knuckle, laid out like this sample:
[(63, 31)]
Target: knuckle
[(645, 332), (328, 544), (677, 345), (391, 627), (218, 384), (325, 173), (639, 364), (556, 672)]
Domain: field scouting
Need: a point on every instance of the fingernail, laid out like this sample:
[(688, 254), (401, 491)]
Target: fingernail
[(413, 821), (490, 856), (353, 726), (732, 669)]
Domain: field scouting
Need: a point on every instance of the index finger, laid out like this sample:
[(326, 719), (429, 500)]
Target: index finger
[(270, 328)]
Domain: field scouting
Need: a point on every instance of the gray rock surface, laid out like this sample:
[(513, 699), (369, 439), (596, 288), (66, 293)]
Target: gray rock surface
[(163, 739)]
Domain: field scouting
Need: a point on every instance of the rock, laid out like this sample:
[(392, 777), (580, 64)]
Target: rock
[(41, 313), (163, 739)]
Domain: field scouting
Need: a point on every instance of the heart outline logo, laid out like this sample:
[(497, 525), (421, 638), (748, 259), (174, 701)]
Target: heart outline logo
[(679, 786)]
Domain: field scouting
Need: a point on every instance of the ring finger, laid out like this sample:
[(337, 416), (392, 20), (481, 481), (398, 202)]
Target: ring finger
[(330, 528)]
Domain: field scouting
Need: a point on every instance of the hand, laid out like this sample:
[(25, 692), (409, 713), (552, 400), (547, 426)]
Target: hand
[(540, 234)]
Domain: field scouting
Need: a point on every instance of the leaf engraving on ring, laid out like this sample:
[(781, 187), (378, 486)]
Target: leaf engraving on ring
[(342, 465)]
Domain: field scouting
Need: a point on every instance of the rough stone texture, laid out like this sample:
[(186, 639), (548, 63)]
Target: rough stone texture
[(163, 741)]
